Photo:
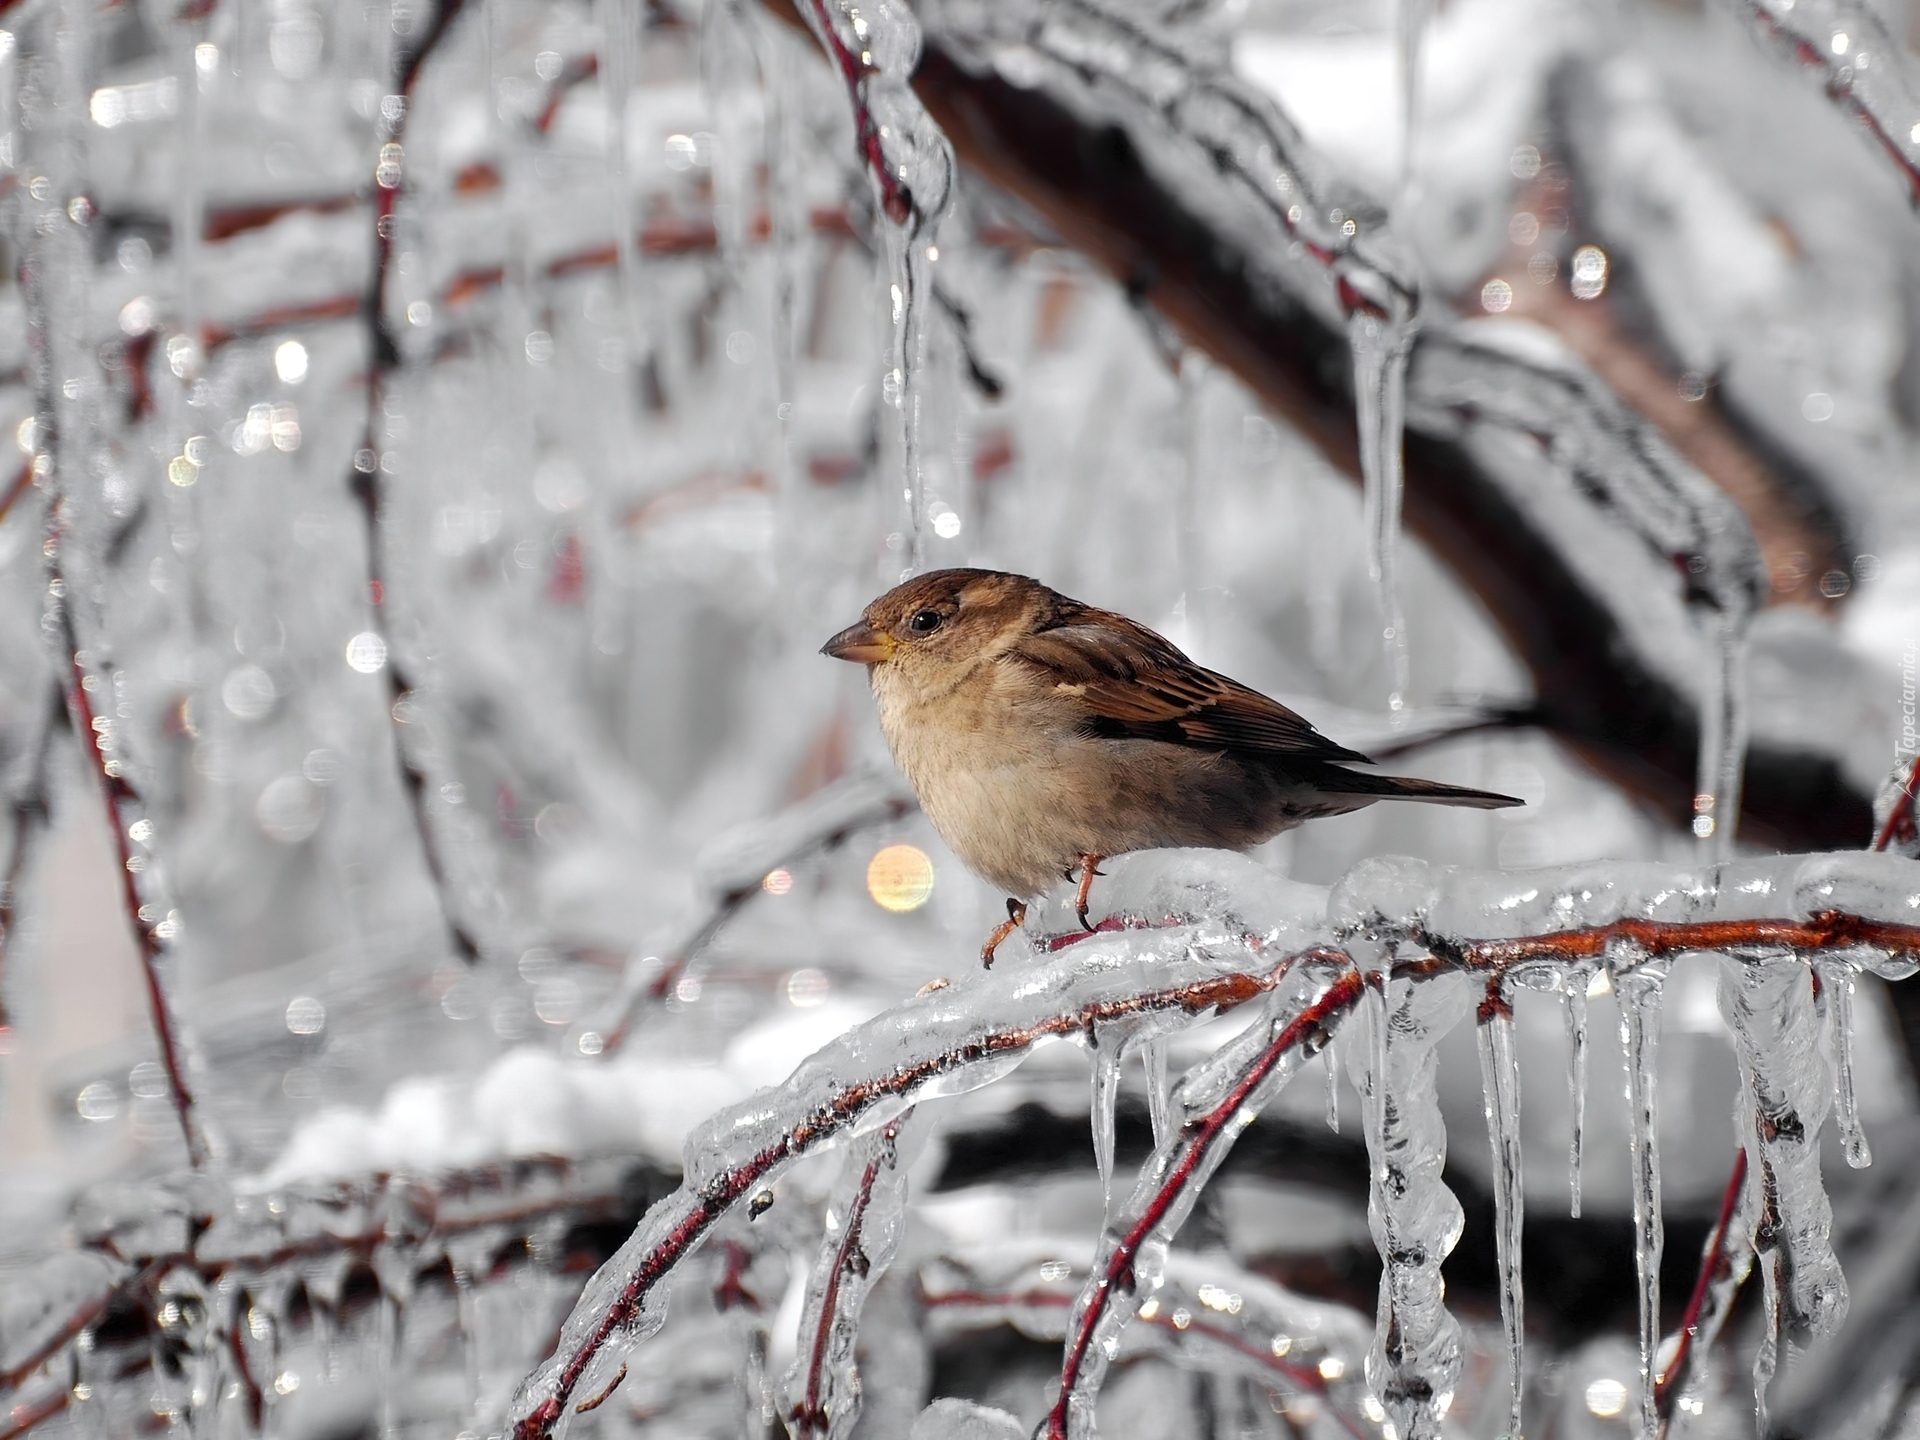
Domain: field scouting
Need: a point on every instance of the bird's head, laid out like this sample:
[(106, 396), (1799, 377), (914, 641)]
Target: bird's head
[(945, 620)]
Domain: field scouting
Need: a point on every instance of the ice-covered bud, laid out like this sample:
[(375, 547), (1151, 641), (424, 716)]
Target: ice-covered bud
[(1387, 893)]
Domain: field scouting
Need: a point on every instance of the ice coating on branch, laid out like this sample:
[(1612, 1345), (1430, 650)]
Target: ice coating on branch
[(940, 1043), (1380, 345), (35, 1302), (1638, 990), (951, 1419), (875, 45), (865, 1217), (1201, 131), (1414, 1363), (1864, 67), (1837, 981), (1214, 1102), (1500, 1090), (1769, 1007)]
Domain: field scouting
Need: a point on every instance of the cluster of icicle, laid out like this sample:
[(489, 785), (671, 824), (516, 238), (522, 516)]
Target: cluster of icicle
[(1405, 949)]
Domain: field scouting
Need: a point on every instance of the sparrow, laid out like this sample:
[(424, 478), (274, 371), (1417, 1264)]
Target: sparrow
[(1043, 735)]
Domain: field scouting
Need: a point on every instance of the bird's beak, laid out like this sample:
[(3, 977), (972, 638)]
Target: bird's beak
[(861, 644)]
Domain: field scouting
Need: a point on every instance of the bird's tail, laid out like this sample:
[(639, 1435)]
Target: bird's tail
[(1336, 780)]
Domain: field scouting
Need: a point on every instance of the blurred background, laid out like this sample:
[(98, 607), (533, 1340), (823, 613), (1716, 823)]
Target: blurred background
[(450, 434)]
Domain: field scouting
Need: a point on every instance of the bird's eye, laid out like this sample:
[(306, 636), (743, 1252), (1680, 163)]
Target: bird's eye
[(925, 622)]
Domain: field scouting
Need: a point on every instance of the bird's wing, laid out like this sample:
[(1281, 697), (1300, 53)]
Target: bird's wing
[(1136, 685)]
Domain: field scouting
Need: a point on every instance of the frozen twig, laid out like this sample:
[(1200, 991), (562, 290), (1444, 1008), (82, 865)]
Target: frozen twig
[(1714, 1265), (959, 1039), (1865, 69), (1171, 1181), (825, 1407), (383, 359), (734, 866), (28, 813), (152, 923)]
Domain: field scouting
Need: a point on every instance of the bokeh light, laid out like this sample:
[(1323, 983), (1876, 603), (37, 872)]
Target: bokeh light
[(900, 878)]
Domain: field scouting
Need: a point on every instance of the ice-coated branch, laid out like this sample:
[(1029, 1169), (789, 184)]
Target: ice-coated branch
[(942, 1042), (368, 490), (731, 869), (1205, 1315), (1216, 1102), (132, 1241), (825, 1400), (1713, 1291), (1866, 70)]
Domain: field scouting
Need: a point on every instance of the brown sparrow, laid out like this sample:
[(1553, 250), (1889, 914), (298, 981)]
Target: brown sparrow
[(1043, 735)]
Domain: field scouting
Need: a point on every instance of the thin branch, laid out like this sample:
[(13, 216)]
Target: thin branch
[(383, 359), (29, 814), (1713, 1262), (125, 808), (810, 1416), (1900, 822), (1188, 1159)]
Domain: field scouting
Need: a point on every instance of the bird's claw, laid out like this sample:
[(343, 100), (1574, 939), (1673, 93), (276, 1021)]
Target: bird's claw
[(1016, 917), (1089, 867)]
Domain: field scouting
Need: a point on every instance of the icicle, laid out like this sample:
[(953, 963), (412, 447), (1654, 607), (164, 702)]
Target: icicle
[(1500, 1086), (1381, 344), (619, 63), (1766, 1355), (911, 167), (1723, 738), (1837, 980), (1769, 1007), (1153, 1060), (1638, 990), (1416, 1354), (1576, 993), (1333, 1088), (1109, 1050)]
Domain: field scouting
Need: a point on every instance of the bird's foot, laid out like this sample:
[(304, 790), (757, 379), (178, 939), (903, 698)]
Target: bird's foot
[(1087, 872), (1016, 917)]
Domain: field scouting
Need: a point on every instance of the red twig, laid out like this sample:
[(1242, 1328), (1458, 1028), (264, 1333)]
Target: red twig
[(1302, 1377), (1900, 823), (1839, 84), (896, 200), (365, 481), (23, 1416), (1194, 1144), (810, 1416), (577, 71), (124, 808), (18, 486), (1712, 1262)]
